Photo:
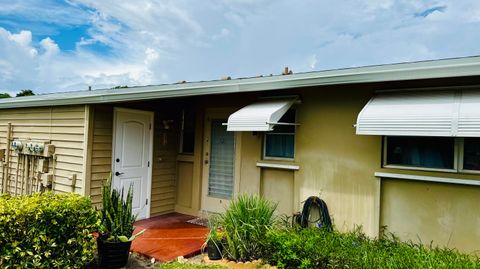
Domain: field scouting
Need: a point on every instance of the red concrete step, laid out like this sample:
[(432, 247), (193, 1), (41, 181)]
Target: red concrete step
[(168, 236)]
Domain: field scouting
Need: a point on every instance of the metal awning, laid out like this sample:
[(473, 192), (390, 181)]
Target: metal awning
[(259, 116), (422, 113)]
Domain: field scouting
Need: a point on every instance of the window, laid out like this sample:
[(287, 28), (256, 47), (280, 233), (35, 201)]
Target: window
[(187, 132), (428, 152), (280, 143), (432, 153), (471, 154)]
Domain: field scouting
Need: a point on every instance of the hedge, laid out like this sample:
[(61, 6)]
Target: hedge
[(47, 231), (319, 248)]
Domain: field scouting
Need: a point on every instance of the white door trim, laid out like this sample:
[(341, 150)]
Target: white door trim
[(150, 149)]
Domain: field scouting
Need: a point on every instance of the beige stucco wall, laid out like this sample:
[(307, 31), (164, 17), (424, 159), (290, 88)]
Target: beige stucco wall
[(335, 163), (339, 166), (65, 127), (277, 185), (441, 214), (431, 213)]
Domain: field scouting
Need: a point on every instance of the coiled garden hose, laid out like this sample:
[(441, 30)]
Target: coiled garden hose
[(324, 217)]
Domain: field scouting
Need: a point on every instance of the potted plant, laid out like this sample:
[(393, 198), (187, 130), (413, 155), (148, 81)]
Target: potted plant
[(214, 239), (117, 220)]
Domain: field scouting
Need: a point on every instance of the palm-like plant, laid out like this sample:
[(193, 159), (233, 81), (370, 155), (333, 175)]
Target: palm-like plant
[(117, 215)]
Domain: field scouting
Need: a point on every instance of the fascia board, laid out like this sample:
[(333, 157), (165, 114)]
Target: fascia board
[(395, 72)]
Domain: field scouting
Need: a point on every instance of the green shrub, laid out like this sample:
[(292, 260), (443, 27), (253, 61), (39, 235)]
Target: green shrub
[(47, 231), (245, 224), (319, 248)]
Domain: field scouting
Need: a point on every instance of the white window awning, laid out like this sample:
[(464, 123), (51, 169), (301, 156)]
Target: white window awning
[(260, 116), (422, 113)]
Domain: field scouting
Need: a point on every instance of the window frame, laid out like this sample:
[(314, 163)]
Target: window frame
[(182, 134), (461, 158), (294, 133)]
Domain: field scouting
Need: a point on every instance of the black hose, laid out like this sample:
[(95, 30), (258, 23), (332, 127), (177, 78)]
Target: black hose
[(324, 219)]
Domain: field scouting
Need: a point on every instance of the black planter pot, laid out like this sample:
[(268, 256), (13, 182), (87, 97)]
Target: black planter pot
[(214, 250), (112, 255)]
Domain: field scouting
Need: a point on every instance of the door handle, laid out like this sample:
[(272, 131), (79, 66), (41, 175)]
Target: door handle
[(118, 173)]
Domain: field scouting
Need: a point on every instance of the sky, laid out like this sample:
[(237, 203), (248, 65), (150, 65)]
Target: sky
[(51, 45)]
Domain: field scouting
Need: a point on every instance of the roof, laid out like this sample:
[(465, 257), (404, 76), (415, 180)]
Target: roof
[(455, 67)]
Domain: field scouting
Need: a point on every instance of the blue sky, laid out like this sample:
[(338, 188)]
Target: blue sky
[(53, 45)]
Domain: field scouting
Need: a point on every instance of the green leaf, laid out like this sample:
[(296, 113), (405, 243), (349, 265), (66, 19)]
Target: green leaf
[(123, 238)]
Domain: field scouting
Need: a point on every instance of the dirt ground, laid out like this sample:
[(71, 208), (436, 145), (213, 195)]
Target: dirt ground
[(137, 261)]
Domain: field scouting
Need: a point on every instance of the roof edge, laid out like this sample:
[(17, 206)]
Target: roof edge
[(455, 67)]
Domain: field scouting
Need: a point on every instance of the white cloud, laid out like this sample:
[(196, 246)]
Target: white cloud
[(50, 47), (24, 38), (51, 70)]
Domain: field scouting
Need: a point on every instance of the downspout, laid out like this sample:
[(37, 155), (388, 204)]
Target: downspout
[(88, 149), (6, 165)]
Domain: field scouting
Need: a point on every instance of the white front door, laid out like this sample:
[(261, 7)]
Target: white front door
[(219, 166), (132, 156)]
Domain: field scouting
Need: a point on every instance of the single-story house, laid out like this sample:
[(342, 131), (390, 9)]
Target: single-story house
[(391, 146)]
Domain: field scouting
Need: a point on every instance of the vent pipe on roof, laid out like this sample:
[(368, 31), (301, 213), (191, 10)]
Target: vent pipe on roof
[(286, 71)]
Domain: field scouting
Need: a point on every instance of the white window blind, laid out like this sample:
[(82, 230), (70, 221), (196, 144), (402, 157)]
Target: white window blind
[(222, 155)]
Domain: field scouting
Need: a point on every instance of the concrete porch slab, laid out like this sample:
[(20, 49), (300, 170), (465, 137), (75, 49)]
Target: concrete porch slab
[(168, 236)]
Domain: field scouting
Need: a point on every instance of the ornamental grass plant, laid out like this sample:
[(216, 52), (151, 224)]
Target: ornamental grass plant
[(245, 225)]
